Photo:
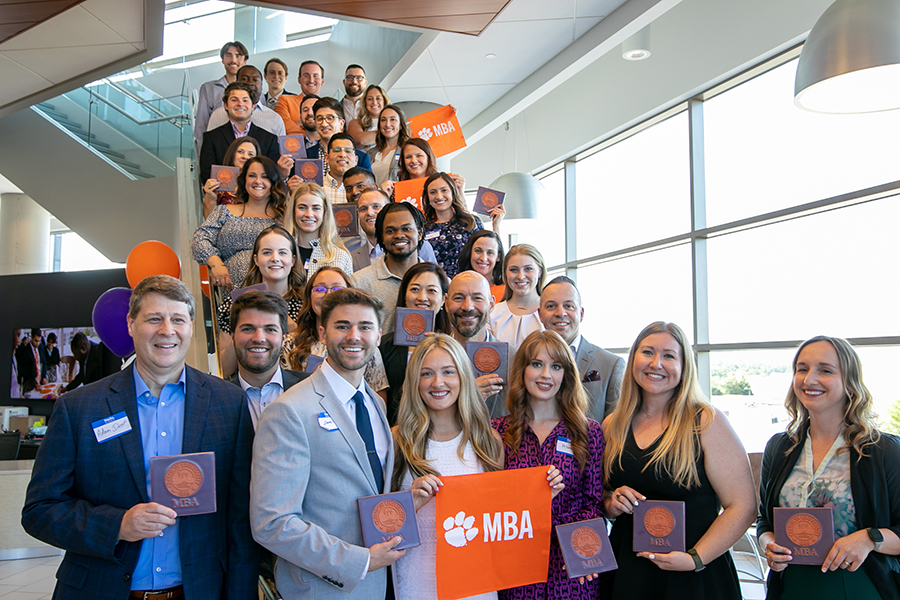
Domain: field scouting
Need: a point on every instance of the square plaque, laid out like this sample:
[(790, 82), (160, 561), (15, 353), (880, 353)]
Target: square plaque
[(226, 176), (257, 287), (489, 357), (310, 170), (185, 483), (808, 532), (487, 199), (386, 516), (585, 547), (659, 526), (411, 325), (292, 145), (345, 218)]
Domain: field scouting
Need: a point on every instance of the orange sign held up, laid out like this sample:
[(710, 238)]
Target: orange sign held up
[(493, 531), (440, 128), (410, 191)]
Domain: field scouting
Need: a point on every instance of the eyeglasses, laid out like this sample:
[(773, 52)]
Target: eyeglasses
[(321, 289), (355, 77), (336, 150), (326, 118)]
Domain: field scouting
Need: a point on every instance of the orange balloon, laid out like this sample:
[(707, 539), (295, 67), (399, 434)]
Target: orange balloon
[(204, 280), (151, 258)]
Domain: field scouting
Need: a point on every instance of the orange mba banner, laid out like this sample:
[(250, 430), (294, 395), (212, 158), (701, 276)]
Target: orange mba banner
[(493, 531), (440, 128), (410, 191)]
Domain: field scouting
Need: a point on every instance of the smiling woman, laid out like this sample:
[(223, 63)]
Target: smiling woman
[(311, 221)]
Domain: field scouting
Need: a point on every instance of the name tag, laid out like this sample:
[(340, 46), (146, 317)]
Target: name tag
[(432, 234), (306, 265), (564, 446), (326, 423), (111, 427)]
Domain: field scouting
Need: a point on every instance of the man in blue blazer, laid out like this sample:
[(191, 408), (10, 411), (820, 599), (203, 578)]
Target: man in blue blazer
[(90, 489)]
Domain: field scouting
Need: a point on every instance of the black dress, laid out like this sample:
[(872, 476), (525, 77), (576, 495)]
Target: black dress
[(637, 578)]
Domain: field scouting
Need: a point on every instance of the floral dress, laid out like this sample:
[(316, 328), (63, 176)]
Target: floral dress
[(448, 240)]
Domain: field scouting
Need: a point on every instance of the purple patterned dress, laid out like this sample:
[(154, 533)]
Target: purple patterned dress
[(581, 499), (448, 240)]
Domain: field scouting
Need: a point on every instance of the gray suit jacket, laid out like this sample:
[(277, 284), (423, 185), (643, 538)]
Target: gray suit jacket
[(604, 389), (304, 486)]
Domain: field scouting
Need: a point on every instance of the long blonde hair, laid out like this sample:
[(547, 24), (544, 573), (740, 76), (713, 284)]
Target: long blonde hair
[(329, 240), (859, 416), (414, 423), (679, 449)]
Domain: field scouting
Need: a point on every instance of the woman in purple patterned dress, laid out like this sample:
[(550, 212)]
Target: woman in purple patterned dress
[(548, 424)]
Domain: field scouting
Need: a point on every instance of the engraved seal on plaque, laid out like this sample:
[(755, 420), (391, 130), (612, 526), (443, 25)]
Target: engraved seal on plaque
[(183, 478), (224, 176), (659, 522), (803, 529), (309, 170), (585, 542), (489, 199), (343, 218), (388, 516), (291, 144), (414, 324), (486, 360)]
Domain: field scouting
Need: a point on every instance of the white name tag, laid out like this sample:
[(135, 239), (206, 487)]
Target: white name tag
[(432, 234), (564, 446), (326, 423), (306, 265), (111, 427)]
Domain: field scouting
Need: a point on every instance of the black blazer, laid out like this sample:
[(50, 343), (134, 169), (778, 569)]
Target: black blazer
[(100, 363), (216, 142), (875, 485)]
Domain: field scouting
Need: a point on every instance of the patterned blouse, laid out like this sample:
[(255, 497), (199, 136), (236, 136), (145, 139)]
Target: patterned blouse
[(448, 240), (229, 237), (581, 499), (827, 487)]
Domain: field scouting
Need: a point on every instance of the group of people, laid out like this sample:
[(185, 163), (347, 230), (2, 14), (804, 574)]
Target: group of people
[(296, 446)]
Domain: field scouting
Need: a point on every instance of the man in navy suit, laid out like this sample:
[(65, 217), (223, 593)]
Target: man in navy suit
[(90, 489)]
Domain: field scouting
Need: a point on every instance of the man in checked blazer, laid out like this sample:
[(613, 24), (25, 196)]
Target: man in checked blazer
[(324, 443), (90, 489), (601, 371)]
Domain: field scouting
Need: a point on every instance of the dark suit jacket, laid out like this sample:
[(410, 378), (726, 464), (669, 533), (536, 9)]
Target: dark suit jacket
[(362, 159), (80, 490), (27, 369), (100, 362), (216, 142), (288, 377), (604, 388)]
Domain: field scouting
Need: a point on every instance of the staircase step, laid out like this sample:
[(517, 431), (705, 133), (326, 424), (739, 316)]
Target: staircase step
[(46, 105), (112, 153), (53, 113), (96, 144), (125, 164), (83, 134), (138, 172)]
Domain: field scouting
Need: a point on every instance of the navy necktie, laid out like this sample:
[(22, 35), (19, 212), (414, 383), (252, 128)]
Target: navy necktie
[(364, 426)]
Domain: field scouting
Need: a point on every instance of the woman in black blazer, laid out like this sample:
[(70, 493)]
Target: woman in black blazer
[(833, 456)]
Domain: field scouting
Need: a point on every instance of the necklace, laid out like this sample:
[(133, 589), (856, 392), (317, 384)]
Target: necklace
[(649, 416)]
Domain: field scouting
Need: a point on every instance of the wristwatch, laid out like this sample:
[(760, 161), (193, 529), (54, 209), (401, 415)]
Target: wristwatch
[(876, 536), (698, 564)]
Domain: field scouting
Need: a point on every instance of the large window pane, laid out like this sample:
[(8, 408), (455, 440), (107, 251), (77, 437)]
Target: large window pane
[(635, 191), (763, 153), (830, 273), (547, 233), (621, 297)]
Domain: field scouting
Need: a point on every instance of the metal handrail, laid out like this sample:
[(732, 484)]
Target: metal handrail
[(122, 111), (136, 98)]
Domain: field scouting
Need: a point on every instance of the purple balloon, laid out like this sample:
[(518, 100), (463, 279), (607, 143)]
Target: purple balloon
[(109, 320)]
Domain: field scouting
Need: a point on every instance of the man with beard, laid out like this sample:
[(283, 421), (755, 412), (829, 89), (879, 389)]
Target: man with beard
[(259, 322), (354, 85), (468, 304), (399, 230), (308, 119), (329, 122), (323, 445), (262, 116)]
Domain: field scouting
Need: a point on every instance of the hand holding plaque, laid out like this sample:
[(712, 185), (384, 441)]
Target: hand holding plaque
[(807, 532), (487, 199), (412, 324), (185, 483), (585, 547), (387, 516), (659, 526)]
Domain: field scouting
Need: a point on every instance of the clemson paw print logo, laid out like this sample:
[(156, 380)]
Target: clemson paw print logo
[(409, 199), (425, 133), (459, 530)]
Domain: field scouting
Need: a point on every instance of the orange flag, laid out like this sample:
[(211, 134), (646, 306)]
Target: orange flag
[(493, 531), (440, 128), (410, 191)]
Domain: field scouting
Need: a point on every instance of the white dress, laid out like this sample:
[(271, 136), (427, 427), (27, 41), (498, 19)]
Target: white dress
[(512, 328), (415, 572)]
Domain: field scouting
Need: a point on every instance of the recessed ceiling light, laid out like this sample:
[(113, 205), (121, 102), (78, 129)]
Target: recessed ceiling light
[(636, 54), (490, 55)]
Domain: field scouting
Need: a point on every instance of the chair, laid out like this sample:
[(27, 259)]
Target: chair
[(9, 445)]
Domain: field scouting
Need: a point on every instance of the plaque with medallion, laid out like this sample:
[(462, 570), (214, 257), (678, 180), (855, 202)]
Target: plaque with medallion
[(345, 218), (310, 170), (807, 532), (659, 526), (185, 483), (226, 176), (489, 358), (411, 325), (585, 547), (386, 516), (293, 146), (487, 200)]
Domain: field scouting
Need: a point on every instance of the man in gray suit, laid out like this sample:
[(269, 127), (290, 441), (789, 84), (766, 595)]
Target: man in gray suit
[(601, 371), (323, 444)]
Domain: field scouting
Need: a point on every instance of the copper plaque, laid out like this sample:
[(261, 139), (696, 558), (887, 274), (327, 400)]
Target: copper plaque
[(309, 170), (586, 542), (183, 478), (659, 522), (414, 324), (388, 516), (486, 360), (803, 530)]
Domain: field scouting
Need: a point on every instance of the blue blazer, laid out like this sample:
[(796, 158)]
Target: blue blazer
[(80, 490)]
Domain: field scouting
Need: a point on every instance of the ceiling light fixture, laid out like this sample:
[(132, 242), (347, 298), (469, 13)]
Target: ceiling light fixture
[(490, 55), (637, 47)]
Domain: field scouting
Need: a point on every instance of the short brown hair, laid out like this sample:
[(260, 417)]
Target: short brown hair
[(275, 60), (268, 302), (350, 296), (236, 44), (164, 285)]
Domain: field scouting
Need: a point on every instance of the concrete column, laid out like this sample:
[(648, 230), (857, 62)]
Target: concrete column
[(24, 235)]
